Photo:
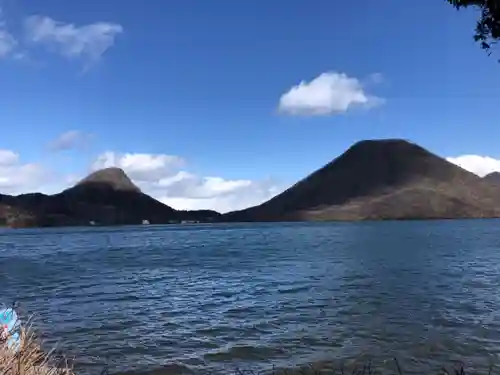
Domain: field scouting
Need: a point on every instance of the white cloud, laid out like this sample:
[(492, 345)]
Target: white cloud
[(70, 140), (8, 157), (236, 199), (16, 177), (86, 42), (329, 93), (8, 43), (216, 193), (140, 167), (160, 176), (480, 165), (89, 42)]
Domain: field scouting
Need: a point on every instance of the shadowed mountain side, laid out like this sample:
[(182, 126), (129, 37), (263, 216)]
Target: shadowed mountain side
[(15, 216), (106, 197), (381, 179), (493, 178)]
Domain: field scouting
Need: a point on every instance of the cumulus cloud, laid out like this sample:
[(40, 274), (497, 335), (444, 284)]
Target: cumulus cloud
[(188, 191), (87, 41), (236, 199), (140, 167), (477, 164), (70, 140), (8, 157), (17, 177), (328, 94), (161, 176)]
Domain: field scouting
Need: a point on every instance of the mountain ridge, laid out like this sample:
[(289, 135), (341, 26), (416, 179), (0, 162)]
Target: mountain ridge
[(381, 180), (105, 197)]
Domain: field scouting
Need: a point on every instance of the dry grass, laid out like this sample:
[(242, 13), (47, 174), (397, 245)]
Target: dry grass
[(30, 359)]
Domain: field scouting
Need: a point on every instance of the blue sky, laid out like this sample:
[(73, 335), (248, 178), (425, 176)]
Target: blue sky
[(196, 99)]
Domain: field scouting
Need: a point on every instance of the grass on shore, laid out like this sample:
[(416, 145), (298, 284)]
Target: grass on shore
[(30, 359)]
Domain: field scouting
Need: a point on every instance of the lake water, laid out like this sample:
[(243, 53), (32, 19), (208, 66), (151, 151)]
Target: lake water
[(168, 299)]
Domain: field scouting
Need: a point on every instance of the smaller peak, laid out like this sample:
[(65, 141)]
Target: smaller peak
[(112, 176), (493, 177), (496, 173)]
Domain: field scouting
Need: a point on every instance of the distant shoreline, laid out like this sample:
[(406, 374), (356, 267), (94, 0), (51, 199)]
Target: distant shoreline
[(259, 222)]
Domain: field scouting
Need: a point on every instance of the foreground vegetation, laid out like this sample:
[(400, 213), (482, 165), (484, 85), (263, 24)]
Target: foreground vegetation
[(488, 26), (30, 359)]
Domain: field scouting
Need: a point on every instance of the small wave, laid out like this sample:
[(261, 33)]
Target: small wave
[(296, 289), (173, 368), (245, 352), (224, 294), (219, 330)]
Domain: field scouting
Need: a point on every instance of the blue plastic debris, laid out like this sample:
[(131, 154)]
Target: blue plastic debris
[(9, 327)]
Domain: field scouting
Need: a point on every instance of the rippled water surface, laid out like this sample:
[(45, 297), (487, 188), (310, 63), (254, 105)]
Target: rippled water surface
[(165, 299)]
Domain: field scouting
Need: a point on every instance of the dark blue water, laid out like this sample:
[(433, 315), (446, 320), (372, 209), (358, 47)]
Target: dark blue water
[(174, 298)]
